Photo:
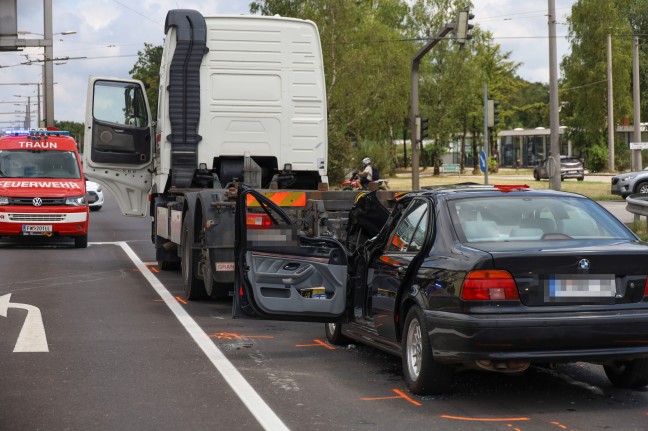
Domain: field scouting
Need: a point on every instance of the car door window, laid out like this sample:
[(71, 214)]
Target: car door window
[(409, 234)]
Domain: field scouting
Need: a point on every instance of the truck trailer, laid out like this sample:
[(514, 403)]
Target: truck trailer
[(242, 99)]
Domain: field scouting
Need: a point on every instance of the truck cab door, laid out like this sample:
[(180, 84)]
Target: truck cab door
[(118, 141), (280, 274)]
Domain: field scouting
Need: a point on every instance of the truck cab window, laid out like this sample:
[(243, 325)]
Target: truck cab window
[(119, 103)]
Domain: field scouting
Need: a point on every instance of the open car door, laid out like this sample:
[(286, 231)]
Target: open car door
[(118, 141), (281, 275)]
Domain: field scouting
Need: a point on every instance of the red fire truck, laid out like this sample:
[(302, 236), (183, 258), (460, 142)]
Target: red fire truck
[(42, 188)]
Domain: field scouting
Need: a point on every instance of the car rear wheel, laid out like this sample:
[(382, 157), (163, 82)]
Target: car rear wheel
[(423, 375), (642, 187), (536, 175), (628, 374), (334, 334)]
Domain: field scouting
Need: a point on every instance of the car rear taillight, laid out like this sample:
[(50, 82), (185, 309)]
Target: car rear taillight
[(257, 221), (646, 288), (489, 285)]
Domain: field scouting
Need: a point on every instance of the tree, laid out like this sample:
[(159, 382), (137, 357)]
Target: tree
[(147, 70), (366, 64), (583, 91)]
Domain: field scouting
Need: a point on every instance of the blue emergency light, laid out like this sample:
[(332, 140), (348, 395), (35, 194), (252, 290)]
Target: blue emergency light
[(36, 132)]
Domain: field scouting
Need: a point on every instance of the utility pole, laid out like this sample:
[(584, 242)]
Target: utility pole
[(554, 120), (462, 27), (637, 163), (48, 64), (486, 149), (610, 101)]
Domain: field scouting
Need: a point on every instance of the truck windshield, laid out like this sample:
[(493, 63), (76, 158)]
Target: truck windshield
[(38, 164)]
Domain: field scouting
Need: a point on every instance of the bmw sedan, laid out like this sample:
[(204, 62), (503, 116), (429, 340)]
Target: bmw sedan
[(494, 278)]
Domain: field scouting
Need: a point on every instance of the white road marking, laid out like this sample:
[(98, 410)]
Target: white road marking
[(267, 418), (32, 336)]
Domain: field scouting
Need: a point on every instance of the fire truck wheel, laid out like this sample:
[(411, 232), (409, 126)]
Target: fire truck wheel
[(194, 287), (81, 241)]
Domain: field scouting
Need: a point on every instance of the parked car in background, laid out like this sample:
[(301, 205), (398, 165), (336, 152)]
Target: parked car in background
[(95, 195), (494, 278), (632, 182), (570, 167)]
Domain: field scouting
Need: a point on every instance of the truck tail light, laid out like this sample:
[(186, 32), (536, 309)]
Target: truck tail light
[(489, 285), (257, 221)]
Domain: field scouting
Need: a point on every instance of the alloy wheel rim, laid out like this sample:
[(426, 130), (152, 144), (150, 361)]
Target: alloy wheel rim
[(414, 349)]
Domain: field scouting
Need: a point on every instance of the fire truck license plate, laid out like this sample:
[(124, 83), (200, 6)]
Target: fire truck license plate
[(35, 229)]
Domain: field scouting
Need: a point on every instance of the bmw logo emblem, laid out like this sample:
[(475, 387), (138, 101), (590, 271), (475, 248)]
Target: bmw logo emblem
[(584, 264), (37, 202)]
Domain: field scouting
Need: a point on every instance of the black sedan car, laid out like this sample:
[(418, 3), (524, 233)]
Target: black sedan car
[(460, 277)]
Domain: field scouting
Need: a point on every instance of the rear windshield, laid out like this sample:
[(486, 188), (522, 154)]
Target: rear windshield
[(38, 164), (538, 218)]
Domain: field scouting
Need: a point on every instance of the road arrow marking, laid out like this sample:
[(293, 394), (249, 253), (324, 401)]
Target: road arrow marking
[(32, 335)]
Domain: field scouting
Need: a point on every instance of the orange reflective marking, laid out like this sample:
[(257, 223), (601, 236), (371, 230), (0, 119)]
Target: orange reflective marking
[(399, 395), (181, 300), (284, 199), (559, 424), (388, 260), (318, 343), (234, 336), (460, 418)]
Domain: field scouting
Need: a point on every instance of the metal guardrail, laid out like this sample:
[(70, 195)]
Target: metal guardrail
[(637, 204)]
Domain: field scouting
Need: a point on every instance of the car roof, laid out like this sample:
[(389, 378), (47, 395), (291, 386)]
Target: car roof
[(463, 190)]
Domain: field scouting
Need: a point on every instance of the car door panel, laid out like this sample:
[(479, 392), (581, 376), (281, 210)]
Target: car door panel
[(285, 283), (282, 275)]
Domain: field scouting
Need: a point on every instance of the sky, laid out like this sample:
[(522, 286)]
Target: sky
[(109, 33)]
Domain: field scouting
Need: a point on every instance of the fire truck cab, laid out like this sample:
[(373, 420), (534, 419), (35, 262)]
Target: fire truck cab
[(42, 187)]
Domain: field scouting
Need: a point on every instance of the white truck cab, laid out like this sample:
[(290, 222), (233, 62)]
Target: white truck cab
[(241, 99)]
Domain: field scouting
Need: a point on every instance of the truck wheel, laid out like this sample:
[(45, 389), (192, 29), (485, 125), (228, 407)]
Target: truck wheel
[(628, 374), (423, 375), (165, 265), (193, 286), (81, 241), (334, 334), (642, 187)]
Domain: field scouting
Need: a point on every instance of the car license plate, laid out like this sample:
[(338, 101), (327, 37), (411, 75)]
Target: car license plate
[(36, 229), (575, 287)]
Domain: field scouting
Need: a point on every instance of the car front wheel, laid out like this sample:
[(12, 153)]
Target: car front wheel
[(423, 375), (628, 374), (642, 187), (334, 334)]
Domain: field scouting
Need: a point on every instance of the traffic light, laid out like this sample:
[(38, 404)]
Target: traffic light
[(421, 128), (463, 26), (493, 112)]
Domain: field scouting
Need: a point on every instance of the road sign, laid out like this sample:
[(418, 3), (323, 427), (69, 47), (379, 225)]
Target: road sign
[(482, 161), (32, 335), (639, 145)]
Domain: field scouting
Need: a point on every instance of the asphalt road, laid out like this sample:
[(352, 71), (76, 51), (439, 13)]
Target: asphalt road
[(126, 352)]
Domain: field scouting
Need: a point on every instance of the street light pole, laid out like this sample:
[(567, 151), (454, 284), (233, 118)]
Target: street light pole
[(554, 136), (48, 65)]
